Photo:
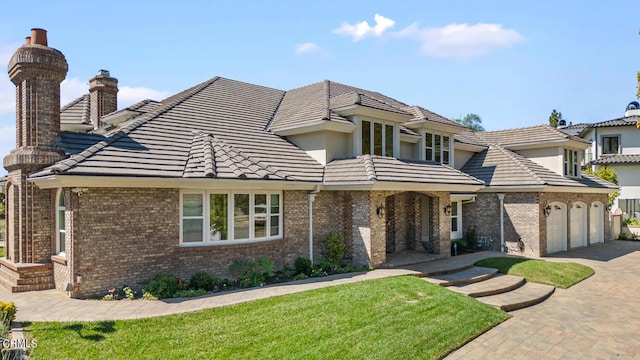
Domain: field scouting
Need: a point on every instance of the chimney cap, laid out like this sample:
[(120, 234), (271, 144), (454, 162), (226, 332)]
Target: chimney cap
[(103, 72), (39, 36)]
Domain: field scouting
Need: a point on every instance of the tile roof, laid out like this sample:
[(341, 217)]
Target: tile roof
[(469, 137), (574, 129), (497, 167), (313, 103), (527, 135), (161, 142), (422, 114), (618, 159), (76, 112), (624, 121), (371, 168)]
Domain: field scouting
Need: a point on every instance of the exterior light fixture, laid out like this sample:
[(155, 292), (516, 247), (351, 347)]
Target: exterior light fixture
[(609, 207), (447, 210), (380, 211), (547, 210)]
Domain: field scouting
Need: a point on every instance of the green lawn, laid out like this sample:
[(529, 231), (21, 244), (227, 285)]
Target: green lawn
[(393, 318), (561, 275)]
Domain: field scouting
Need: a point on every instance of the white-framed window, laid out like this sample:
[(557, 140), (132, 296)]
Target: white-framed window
[(571, 164), (456, 220), (377, 138), (610, 144), (213, 217), (437, 148), (60, 223)]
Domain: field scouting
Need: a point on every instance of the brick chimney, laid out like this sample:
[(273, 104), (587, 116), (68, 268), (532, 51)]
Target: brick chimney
[(103, 90), (37, 71)]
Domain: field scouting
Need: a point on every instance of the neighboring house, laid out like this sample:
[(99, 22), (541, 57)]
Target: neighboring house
[(615, 144), (228, 171)]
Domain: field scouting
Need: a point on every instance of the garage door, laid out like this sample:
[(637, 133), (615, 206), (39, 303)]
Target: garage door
[(578, 218), (557, 228), (596, 223)]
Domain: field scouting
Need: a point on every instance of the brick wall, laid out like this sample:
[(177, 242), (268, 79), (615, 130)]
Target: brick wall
[(523, 218)]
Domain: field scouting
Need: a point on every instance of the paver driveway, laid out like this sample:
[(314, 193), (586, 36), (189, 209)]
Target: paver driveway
[(598, 318)]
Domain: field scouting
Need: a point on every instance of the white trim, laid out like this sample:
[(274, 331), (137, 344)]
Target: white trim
[(399, 186), (378, 114), (58, 181), (60, 212), (206, 241), (455, 235), (319, 125)]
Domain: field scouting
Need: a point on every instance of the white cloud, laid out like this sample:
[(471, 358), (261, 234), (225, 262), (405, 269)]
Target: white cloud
[(362, 29), (130, 95), (461, 40), (71, 89), (307, 47)]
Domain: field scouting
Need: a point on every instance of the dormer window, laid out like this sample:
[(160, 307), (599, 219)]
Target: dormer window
[(571, 164), (377, 138), (438, 148)]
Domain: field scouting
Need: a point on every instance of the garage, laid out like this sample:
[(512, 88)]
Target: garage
[(556, 227), (578, 230), (596, 223)]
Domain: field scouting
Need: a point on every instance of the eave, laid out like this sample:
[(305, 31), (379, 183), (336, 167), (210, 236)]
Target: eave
[(423, 124), (399, 186), (368, 112), (84, 181), (320, 125)]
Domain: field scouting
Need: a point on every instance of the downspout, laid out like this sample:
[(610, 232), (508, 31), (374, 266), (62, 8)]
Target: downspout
[(311, 196), (501, 198)]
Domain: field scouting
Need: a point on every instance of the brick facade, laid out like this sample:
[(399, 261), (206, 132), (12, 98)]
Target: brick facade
[(524, 218)]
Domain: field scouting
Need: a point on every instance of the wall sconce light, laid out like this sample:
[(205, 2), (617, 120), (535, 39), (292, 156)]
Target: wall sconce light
[(547, 210), (608, 207), (447, 210), (380, 211)]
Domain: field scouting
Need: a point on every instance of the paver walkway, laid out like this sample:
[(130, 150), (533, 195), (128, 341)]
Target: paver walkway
[(598, 318)]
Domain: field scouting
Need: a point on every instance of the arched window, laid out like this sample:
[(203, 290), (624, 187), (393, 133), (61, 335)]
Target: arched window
[(60, 223)]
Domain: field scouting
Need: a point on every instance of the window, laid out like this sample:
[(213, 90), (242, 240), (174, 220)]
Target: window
[(456, 220), (377, 138), (438, 148), (60, 223), (232, 216), (610, 145), (571, 164)]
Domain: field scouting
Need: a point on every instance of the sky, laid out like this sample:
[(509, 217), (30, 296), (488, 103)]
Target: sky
[(510, 62)]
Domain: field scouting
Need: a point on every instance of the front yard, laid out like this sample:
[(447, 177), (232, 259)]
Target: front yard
[(400, 318)]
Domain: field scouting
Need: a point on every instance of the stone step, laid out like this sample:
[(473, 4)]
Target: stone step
[(466, 276), (527, 295), (498, 284)]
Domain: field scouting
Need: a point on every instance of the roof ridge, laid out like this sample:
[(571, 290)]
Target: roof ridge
[(86, 110), (209, 161), (67, 164), (369, 167), (275, 111), (513, 156)]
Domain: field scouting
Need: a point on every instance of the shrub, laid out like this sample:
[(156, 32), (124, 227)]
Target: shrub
[(201, 280), (129, 293), (163, 286), (190, 293), (302, 266), (470, 238), (253, 273), (622, 236), (335, 248), (8, 312)]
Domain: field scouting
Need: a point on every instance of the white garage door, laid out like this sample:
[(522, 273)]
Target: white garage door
[(596, 223), (557, 228), (578, 224)]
